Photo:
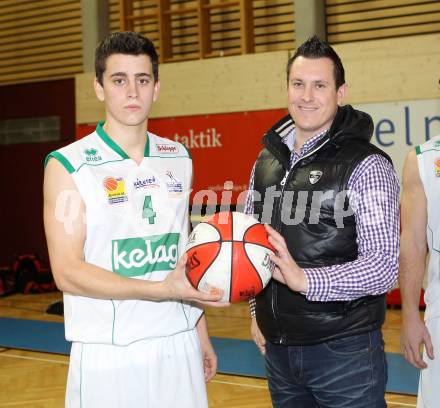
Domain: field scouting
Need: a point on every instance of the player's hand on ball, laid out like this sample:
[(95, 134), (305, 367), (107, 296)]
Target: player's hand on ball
[(230, 251), (177, 286), (287, 270)]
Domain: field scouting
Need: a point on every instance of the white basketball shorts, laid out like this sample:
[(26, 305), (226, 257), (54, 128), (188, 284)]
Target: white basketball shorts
[(165, 372), (429, 390)]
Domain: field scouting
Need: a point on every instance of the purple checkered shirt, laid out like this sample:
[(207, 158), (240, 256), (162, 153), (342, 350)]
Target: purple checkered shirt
[(377, 227)]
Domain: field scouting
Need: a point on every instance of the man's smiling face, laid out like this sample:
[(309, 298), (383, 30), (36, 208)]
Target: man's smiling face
[(312, 95)]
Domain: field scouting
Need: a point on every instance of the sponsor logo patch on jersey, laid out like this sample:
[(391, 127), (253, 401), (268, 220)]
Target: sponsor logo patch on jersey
[(92, 155), (174, 186), (167, 148), (437, 166), (115, 189), (139, 256), (147, 182), (437, 144)]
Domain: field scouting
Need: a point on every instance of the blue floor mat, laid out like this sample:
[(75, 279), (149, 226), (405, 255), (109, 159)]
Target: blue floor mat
[(33, 335), (236, 357)]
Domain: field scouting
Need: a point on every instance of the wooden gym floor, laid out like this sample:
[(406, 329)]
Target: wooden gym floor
[(37, 380)]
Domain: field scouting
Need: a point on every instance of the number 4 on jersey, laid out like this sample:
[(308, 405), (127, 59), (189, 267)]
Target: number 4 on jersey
[(148, 211)]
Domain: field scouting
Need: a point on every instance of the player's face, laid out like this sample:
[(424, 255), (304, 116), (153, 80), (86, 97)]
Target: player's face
[(128, 89), (312, 95)]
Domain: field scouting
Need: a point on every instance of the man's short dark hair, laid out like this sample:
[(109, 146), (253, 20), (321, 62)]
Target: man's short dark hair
[(125, 42), (315, 48)]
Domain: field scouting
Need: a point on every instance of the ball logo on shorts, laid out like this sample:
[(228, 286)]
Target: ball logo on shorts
[(230, 251)]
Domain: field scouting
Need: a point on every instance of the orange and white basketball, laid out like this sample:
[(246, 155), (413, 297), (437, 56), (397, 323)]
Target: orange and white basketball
[(231, 252)]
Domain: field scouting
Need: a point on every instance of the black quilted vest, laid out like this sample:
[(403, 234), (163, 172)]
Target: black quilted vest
[(308, 205)]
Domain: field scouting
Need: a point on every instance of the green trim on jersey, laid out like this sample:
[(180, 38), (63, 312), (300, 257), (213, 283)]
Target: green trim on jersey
[(432, 239), (147, 146), (114, 319), (114, 146), (81, 375), (109, 141), (61, 159), (170, 157), (418, 150), (97, 164), (183, 310), (427, 150), (187, 150)]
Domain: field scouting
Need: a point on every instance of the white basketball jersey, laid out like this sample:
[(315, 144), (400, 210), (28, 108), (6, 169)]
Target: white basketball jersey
[(428, 156), (137, 227)]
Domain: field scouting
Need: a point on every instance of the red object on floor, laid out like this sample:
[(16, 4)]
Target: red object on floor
[(393, 299)]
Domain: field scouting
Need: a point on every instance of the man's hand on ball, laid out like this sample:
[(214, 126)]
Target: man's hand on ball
[(287, 270), (177, 286)]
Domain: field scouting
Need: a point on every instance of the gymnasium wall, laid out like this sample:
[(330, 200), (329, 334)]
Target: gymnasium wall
[(43, 39), (386, 70), (394, 79), (21, 165)]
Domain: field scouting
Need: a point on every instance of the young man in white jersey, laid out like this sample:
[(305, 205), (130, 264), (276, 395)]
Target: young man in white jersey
[(116, 220), (420, 235)]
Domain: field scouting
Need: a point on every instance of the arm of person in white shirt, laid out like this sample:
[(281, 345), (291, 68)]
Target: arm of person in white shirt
[(413, 251)]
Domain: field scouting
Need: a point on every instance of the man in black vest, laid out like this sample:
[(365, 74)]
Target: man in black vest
[(331, 199)]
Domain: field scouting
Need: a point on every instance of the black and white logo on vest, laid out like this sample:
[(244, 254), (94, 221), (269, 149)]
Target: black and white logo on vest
[(314, 176)]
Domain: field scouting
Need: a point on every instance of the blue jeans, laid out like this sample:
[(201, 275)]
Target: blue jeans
[(350, 372)]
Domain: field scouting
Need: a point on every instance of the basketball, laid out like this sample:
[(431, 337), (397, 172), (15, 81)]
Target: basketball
[(110, 184), (231, 252)]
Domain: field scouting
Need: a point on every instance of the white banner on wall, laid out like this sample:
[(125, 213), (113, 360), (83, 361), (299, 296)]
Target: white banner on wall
[(400, 126)]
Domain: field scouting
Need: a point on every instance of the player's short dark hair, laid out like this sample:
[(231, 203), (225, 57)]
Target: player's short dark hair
[(125, 42), (315, 48)]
